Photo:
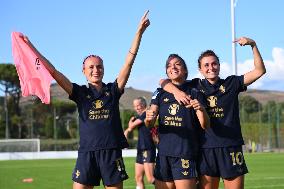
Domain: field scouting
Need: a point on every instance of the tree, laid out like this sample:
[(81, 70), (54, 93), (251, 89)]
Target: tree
[(2, 122), (64, 107), (17, 122), (248, 106), (10, 85), (9, 79), (64, 111)]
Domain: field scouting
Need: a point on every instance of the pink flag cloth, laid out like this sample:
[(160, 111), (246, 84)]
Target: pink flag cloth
[(34, 77)]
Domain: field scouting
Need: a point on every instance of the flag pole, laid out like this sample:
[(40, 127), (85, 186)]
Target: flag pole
[(234, 58)]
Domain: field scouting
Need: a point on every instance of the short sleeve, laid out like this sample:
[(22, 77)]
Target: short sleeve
[(142, 116), (115, 90), (242, 87), (75, 93), (155, 97)]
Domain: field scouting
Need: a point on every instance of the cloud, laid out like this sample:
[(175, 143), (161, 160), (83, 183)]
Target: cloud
[(275, 68)]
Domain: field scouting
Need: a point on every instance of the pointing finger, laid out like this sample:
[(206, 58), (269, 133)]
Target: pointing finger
[(146, 14)]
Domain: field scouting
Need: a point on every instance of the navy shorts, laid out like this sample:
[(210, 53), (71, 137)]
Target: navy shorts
[(174, 168), (146, 156), (93, 166), (225, 162)]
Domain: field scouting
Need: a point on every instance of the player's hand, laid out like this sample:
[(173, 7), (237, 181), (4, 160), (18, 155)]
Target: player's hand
[(132, 119), (144, 22), (182, 98), (150, 116), (195, 105), (245, 41)]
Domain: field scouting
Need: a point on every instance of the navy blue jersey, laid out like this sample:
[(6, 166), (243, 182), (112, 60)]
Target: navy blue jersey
[(145, 141), (178, 125), (99, 118), (223, 105)]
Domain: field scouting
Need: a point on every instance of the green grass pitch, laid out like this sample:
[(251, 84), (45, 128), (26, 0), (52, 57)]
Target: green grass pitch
[(266, 170)]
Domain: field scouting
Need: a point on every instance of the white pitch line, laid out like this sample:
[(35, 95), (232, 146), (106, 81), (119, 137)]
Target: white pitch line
[(266, 178)]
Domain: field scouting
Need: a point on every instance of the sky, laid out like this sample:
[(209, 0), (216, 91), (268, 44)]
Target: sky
[(67, 31)]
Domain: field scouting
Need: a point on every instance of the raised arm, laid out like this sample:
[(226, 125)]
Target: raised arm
[(179, 95), (125, 71), (259, 68), (59, 77)]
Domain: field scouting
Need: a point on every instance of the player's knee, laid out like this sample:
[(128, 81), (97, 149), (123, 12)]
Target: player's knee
[(139, 178), (151, 180)]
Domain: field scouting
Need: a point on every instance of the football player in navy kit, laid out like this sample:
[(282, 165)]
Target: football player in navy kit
[(221, 145), (101, 134), (178, 127), (146, 149)]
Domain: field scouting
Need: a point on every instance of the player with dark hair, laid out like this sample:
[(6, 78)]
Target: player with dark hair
[(221, 145), (178, 127)]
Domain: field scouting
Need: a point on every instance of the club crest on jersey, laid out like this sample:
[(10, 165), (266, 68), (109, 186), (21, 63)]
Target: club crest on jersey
[(212, 101), (98, 104), (185, 163), (222, 89), (173, 109)]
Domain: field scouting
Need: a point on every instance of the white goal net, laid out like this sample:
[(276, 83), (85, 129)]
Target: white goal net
[(20, 145)]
